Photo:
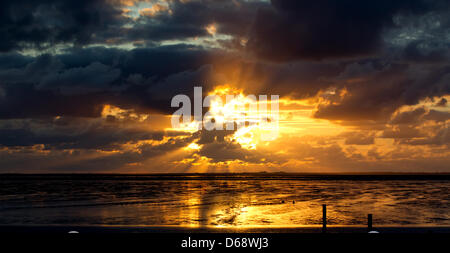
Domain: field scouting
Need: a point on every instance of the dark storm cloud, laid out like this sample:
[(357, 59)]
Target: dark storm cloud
[(408, 117), (229, 151), (353, 90), (359, 138), (442, 102), (413, 52), (80, 81), (418, 116), (146, 78), (40, 24), (141, 153), (375, 93), (437, 116), (188, 19), (73, 133), (402, 132), (282, 30), (13, 60), (415, 134), (440, 137), (379, 62), (92, 78), (24, 101), (297, 80), (295, 29), (43, 24), (418, 126), (24, 159)]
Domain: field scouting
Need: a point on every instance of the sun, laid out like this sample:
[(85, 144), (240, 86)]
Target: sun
[(193, 146), (247, 137), (231, 107)]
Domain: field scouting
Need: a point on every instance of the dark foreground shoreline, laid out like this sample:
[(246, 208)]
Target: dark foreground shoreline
[(62, 229), (173, 239)]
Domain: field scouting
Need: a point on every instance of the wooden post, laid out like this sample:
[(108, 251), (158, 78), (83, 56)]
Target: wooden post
[(369, 222), (324, 218)]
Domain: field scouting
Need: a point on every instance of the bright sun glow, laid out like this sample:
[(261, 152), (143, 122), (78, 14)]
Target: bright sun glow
[(193, 146), (247, 116), (231, 107)]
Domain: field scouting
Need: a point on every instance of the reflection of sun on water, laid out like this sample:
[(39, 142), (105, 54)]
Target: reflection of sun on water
[(230, 207)]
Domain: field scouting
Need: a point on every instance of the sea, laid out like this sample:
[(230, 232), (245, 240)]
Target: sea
[(224, 200)]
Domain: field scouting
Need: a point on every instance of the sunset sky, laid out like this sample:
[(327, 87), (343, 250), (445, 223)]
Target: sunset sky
[(86, 85)]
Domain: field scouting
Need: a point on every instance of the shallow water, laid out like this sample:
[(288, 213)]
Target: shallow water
[(224, 201)]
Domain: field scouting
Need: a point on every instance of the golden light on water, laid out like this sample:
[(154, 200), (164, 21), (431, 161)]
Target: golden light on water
[(238, 205)]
